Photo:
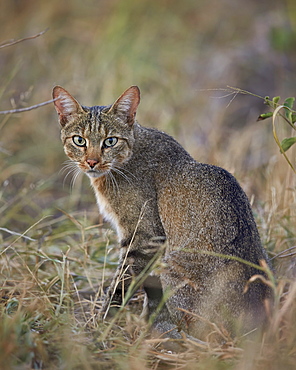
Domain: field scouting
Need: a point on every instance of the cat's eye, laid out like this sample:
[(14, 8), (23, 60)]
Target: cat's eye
[(110, 141), (79, 141)]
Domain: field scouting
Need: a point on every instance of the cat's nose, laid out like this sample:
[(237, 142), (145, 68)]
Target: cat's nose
[(92, 162)]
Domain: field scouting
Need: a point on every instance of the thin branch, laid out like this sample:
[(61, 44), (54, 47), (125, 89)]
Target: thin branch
[(19, 110), (13, 42), (283, 254), (244, 92), (17, 234)]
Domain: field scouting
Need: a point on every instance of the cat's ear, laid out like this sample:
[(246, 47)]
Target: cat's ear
[(126, 105), (66, 106)]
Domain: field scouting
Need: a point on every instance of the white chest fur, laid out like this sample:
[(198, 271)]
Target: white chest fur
[(107, 211)]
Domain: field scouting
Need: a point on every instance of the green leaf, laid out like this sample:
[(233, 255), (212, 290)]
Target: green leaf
[(276, 99), (287, 143), (293, 118), (289, 102), (271, 103), (264, 116)]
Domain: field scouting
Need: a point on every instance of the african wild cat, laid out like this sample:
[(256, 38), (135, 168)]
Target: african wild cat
[(150, 188)]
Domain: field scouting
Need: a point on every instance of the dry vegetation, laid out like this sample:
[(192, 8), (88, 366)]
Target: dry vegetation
[(56, 254)]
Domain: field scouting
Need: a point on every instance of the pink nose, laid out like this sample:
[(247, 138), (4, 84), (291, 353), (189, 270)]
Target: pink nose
[(92, 162)]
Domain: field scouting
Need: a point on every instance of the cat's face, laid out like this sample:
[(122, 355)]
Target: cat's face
[(97, 139)]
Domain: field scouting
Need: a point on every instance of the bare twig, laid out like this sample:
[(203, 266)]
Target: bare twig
[(19, 110), (17, 234), (13, 42), (285, 253)]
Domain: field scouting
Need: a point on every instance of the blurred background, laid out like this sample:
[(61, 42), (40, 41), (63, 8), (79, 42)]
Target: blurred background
[(182, 55)]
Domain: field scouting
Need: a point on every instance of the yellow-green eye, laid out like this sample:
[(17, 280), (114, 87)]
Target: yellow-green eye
[(79, 141), (110, 141)]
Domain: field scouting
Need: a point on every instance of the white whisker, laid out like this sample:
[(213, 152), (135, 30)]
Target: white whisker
[(77, 173), (122, 175), (122, 170), (113, 181), (72, 169), (67, 165)]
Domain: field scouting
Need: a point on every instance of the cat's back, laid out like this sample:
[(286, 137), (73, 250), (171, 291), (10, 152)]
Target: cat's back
[(197, 201), (176, 171)]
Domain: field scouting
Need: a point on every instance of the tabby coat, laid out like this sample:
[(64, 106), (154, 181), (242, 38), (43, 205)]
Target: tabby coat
[(151, 189)]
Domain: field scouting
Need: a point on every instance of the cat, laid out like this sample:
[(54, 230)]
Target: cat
[(158, 198)]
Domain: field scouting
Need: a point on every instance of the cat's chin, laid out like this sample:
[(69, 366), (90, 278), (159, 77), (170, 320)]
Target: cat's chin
[(95, 174)]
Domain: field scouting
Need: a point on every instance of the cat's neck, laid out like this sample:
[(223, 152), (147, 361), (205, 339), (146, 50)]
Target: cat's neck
[(99, 183)]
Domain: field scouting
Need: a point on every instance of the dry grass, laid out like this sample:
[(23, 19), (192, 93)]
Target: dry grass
[(56, 254)]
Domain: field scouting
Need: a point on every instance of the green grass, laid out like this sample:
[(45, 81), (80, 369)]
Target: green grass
[(56, 253)]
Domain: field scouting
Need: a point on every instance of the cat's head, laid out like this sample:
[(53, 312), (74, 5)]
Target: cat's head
[(100, 138)]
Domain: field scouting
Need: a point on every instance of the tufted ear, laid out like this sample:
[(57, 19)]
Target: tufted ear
[(66, 106), (126, 105)]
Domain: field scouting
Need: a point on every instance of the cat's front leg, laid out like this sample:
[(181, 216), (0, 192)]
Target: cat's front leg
[(135, 265), (115, 294), (127, 270)]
